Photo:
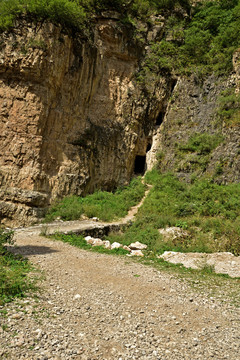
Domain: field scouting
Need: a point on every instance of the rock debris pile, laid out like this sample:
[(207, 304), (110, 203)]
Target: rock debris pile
[(134, 249)]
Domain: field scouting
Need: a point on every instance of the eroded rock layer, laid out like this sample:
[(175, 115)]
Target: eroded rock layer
[(72, 117)]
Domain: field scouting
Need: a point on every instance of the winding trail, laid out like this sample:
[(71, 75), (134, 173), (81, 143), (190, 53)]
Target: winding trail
[(96, 306), (78, 226)]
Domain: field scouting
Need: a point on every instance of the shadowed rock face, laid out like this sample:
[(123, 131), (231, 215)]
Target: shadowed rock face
[(72, 118)]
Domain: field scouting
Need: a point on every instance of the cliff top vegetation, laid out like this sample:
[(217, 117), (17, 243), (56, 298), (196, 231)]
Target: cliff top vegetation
[(74, 13), (199, 36)]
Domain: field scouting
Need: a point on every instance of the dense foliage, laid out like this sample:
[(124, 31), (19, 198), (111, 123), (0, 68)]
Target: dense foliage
[(202, 38), (202, 43), (73, 13)]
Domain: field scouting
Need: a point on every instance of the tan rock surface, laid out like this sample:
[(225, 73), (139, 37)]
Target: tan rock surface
[(72, 117)]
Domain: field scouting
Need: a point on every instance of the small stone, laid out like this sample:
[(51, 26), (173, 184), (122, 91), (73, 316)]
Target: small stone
[(136, 253), (97, 242), (89, 240), (16, 316), (137, 246), (116, 245), (77, 297), (107, 244)]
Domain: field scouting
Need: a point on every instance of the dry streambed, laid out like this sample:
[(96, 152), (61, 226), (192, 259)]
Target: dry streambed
[(95, 306)]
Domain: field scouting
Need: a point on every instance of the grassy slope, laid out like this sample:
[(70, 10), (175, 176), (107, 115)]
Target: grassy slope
[(209, 212), (105, 205)]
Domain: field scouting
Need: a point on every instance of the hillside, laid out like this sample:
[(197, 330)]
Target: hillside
[(92, 93)]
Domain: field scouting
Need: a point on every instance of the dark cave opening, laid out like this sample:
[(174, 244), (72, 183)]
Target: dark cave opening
[(149, 146), (174, 82), (140, 165), (159, 119)]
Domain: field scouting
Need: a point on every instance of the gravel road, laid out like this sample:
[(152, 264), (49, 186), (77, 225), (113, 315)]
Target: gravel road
[(96, 306)]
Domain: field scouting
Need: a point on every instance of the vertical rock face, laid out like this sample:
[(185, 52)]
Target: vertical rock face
[(72, 118), (192, 111)]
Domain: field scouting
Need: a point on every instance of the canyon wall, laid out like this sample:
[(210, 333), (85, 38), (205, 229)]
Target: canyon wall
[(72, 117)]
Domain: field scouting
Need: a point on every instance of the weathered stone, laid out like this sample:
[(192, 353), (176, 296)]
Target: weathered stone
[(72, 117), (90, 240), (125, 247), (107, 244), (116, 245), (223, 263), (136, 253), (172, 233), (137, 246), (97, 242)]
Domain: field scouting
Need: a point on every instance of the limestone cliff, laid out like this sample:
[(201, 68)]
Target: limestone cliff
[(72, 117)]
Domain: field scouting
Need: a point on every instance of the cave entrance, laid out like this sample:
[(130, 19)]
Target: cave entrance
[(140, 165), (159, 119), (149, 146)]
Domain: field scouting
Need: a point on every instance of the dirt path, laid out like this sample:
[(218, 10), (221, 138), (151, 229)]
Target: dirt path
[(80, 225), (96, 306)]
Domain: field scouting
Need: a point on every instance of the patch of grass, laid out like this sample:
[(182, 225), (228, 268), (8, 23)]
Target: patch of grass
[(105, 205), (80, 242), (210, 212), (194, 155), (201, 143), (229, 107), (14, 271)]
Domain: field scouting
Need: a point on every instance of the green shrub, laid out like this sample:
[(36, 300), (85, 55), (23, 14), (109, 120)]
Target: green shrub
[(105, 205), (209, 212), (13, 271), (73, 13), (201, 143), (6, 238), (202, 44), (229, 107)]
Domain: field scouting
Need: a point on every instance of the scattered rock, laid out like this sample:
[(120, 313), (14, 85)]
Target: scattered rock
[(77, 297), (173, 233), (90, 240), (97, 242), (107, 244), (137, 246), (116, 245), (136, 253), (125, 247), (222, 263)]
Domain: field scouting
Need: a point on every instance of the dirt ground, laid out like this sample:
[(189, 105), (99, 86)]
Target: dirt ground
[(96, 306)]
